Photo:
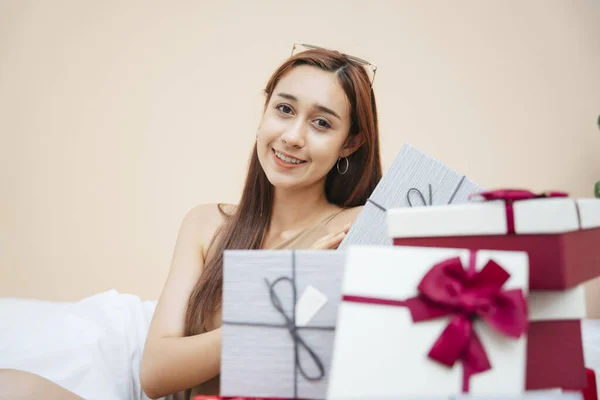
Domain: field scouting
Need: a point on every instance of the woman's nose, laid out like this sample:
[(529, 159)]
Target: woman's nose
[(294, 135)]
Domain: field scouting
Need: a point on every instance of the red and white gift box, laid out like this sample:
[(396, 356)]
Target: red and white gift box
[(418, 322), (561, 236)]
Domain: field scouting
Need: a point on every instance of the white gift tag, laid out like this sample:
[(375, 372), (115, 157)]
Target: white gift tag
[(310, 302)]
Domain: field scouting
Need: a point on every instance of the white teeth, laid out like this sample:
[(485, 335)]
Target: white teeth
[(288, 159)]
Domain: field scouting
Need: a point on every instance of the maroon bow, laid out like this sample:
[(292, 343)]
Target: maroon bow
[(449, 289), (510, 196)]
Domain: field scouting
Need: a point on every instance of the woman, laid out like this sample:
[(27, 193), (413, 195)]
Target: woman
[(315, 162)]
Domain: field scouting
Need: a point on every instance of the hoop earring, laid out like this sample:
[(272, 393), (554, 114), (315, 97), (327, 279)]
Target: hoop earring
[(347, 165)]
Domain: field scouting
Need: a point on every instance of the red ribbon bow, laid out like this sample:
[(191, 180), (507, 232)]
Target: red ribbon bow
[(448, 289), (510, 196)]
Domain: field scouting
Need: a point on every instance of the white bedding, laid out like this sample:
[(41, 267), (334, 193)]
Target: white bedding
[(93, 347)]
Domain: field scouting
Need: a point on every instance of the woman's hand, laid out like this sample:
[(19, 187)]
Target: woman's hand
[(331, 241)]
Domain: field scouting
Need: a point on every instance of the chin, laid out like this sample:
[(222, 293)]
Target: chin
[(283, 183), (288, 183)]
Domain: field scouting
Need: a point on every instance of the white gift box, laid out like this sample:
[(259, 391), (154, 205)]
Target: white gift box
[(560, 234), (380, 353)]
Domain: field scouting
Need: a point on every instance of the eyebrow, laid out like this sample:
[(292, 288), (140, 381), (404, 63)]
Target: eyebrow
[(318, 106)]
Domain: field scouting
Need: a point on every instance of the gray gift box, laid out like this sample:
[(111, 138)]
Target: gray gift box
[(413, 180), (264, 353)]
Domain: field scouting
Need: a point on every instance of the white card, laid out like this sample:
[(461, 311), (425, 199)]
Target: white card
[(310, 302)]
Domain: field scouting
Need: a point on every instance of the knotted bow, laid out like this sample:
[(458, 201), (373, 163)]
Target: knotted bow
[(449, 289), (290, 324), (510, 196)]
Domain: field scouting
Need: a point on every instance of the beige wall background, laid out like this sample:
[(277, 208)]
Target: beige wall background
[(117, 117)]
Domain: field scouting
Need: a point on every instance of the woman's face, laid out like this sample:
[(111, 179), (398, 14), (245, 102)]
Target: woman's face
[(304, 128)]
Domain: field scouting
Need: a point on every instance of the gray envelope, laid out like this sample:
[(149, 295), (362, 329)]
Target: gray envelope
[(413, 180), (257, 355)]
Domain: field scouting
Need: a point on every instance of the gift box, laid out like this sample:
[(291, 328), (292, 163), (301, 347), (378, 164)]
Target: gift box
[(590, 392), (413, 180), (530, 395), (560, 234), (212, 397), (279, 313), (423, 322), (545, 395)]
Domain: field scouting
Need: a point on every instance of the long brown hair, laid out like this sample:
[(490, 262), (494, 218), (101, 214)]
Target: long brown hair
[(245, 228)]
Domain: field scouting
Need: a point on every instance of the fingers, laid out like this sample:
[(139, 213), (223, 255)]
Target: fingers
[(336, 240), (330, 241), (347, 227)]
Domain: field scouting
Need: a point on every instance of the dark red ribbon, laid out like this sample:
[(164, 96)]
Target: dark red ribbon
[(448, 289), (510, 196)]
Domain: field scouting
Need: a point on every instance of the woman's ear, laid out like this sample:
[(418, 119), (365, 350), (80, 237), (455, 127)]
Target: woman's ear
[(353, 143)]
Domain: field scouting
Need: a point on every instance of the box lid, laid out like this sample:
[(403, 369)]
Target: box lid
[(534, 216)]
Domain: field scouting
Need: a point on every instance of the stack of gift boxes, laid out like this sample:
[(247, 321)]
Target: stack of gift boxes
[(440, 290)]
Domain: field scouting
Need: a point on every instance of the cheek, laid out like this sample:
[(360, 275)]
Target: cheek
[(271, 126), (263, 147), (270, 130), (325, 150)]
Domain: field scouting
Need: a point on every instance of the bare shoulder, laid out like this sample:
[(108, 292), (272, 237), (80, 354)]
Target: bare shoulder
[(203, 220)]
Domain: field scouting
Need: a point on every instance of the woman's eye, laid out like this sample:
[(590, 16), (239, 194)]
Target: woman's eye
[(284, 108), (322, 123)]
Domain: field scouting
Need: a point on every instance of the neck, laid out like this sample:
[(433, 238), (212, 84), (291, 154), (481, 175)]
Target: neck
[(294, 208)]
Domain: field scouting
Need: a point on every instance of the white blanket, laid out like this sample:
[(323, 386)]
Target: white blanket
[(92, 347)]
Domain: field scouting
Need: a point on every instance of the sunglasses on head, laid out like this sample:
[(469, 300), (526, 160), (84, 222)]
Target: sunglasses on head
[(369, 67)]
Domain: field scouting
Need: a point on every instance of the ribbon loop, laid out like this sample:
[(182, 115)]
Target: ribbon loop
[(421, 196), (290, 325)]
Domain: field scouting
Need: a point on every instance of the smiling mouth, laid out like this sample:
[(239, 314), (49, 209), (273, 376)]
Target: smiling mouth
[(286, 159)]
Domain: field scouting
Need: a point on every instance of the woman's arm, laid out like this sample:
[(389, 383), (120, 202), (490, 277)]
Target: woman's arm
[(171, 362)]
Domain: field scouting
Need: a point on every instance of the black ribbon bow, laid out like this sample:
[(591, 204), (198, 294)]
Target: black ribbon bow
[(290, 324), (421, 196)]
